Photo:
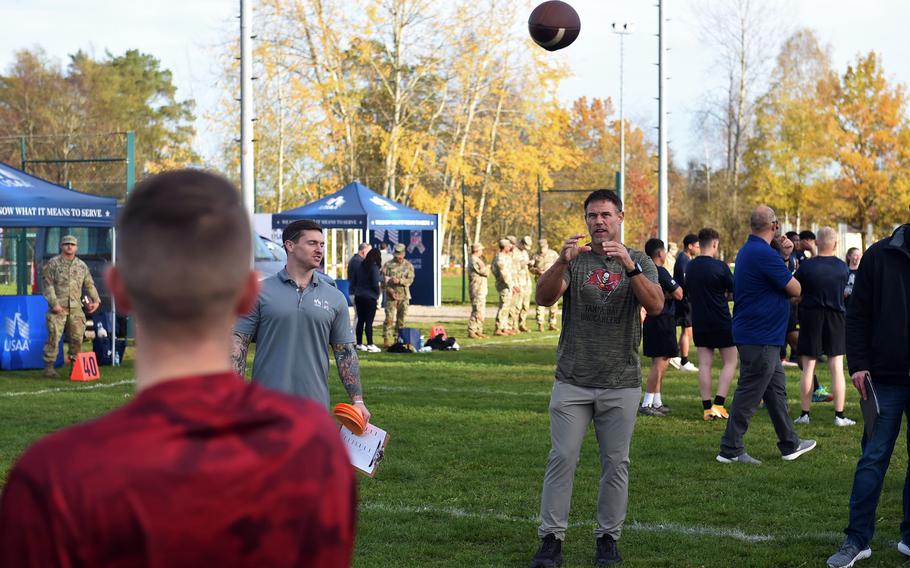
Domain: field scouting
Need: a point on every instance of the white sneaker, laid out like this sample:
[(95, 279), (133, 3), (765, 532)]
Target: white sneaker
[(804, 446), (360, 347), (903, 548), (676, 362), (690, 367), (804, 419), (843, 421), (372, 348)]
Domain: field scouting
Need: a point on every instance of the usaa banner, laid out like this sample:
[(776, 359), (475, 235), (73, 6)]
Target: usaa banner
[(24, 332)]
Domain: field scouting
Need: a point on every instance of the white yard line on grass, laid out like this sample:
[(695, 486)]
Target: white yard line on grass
[(68, 389), (676, 528)]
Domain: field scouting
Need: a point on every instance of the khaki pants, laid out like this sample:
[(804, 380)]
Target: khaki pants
[(524, 306), (504, 311), (395, 313), (73, 324), (478, 305), (543, 312), (571, 410)]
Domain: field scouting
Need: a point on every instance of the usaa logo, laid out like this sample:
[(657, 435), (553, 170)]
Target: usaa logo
[(17, 334), (319, 304)]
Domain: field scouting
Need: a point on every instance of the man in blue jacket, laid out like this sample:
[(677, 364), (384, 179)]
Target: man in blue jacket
[(878, 347)]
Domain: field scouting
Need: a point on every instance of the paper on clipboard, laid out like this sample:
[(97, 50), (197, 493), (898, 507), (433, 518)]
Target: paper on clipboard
[(869, 407), (365, 451)]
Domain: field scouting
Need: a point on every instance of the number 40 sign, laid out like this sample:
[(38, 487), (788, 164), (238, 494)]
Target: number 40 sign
[(85, 368)]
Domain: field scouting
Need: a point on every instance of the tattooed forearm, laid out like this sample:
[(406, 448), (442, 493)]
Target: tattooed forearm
[(241, 344), (348, 368)]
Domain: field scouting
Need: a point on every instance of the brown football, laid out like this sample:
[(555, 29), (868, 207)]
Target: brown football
[(554, 25)]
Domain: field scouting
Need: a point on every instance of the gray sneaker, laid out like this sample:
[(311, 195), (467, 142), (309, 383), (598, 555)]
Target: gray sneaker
[(803, 447), (848, 555), (650, 411), (741, 458)]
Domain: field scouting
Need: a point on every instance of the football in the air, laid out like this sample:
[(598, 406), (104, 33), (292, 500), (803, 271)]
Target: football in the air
[(554, 25)]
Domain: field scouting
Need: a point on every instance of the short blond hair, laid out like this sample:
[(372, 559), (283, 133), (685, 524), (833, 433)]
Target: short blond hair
[(826, 238)]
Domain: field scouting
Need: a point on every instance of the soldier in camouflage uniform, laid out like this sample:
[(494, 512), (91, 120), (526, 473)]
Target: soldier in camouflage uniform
[(523, 303), (502, 270), (540, 263), (397, 277), (65, 278), (478, 273), (516, 294)]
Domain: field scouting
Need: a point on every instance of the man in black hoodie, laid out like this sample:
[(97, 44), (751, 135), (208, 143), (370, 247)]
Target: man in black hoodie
[(878, 346)]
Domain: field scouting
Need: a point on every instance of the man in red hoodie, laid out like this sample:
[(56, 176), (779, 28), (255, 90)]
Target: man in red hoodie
[(200, 468)]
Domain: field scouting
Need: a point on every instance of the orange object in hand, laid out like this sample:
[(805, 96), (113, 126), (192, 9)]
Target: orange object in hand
[(350, 417)]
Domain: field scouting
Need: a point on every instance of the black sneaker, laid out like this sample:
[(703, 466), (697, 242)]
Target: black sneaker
[(607, 554), (549, 555)]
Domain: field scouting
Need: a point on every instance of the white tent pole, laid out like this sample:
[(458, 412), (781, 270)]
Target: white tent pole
[(114, 359)]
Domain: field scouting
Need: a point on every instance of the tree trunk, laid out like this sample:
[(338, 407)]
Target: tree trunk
[(489, 167)]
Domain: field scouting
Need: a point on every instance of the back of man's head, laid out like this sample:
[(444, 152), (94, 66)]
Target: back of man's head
[(653, 246), (706, 237), (826, 240), (183, 250), (762, 219)]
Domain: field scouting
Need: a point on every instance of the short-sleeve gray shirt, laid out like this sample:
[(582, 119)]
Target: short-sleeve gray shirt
[(601, 332), (292, 328)]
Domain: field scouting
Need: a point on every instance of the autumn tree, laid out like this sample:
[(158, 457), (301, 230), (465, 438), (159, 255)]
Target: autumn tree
[(790, 160), (873, 147), (82, 112), (742, 35), (594, 131)]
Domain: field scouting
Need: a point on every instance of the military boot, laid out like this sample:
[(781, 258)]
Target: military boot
[(540, 327), (49, 371)]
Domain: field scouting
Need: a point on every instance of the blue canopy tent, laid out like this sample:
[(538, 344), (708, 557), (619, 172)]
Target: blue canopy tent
[(27, 201), (368, 216)]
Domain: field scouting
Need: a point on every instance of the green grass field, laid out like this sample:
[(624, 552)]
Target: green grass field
[(461, 482)]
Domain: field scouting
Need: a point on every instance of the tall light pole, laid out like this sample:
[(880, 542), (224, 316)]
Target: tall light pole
[(247, 179), (662, 201), (622, 29)]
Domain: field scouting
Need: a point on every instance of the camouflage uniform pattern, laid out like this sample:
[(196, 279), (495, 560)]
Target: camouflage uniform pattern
[(64, 282), (397, 297), (502, 270), (478, 273), (541, 262), (523, 298)]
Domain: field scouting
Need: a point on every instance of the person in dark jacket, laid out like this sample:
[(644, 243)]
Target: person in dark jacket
[(368, 290), (878, 348)]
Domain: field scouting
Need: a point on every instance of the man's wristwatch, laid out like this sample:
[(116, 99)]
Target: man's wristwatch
[(635, 271)]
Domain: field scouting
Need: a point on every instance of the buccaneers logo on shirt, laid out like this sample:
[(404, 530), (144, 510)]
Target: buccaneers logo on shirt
[(604, 280)]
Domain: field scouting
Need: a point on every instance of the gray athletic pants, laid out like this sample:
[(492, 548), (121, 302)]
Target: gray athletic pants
[(571, 410), (761, 377)]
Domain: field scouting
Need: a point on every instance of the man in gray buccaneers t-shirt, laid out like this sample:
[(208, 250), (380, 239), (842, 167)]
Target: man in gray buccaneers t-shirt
[(603, 284)]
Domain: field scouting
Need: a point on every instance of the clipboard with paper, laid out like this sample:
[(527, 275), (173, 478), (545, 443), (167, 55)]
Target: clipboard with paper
[(869, 407), (367, 450)]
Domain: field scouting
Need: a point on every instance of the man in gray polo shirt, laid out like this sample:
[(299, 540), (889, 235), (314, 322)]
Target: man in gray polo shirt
[(604, 285), (299, 314)]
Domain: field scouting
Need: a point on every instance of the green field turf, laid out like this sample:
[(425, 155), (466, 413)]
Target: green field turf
[(461, 482)]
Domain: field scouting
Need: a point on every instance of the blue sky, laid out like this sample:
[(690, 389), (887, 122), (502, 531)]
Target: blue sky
[(185, 34)]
